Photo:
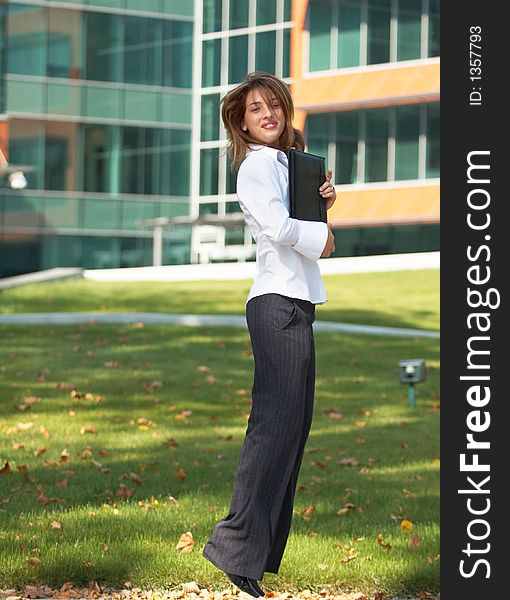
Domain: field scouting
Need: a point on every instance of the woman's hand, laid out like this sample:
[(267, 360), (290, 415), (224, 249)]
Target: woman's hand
[(327, 191), (330, 243)]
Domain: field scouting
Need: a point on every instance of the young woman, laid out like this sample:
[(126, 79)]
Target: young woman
[(280, 310)]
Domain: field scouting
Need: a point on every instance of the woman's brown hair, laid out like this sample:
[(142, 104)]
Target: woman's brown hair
[(234, 107)]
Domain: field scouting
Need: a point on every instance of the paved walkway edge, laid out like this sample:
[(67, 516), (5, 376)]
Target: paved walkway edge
[(59, 318)]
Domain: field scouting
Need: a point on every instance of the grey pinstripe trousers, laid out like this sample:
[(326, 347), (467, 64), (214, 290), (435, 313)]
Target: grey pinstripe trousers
[(251, 539)]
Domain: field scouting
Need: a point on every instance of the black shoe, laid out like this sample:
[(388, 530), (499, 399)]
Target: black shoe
[(245, 584), (256, 585)]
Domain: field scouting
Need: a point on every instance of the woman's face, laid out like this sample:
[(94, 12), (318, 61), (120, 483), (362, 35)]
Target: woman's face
[(264, 121)]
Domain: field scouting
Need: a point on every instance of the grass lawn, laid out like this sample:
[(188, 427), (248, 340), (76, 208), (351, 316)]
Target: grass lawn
[(394, 299), (119, 439)]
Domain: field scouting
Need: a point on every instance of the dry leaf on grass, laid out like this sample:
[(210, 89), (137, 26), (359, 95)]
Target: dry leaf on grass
[(186, 542)]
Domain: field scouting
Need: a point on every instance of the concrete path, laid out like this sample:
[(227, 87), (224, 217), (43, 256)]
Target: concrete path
[(59, 318)]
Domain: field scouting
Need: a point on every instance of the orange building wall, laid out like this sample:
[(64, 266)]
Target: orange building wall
[(376, 85), (4, 138)]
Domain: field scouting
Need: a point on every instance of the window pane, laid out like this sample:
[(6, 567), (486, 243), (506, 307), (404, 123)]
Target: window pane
[(62, 212), (238, 14), (64, 99), (409, 29), (150, 160), (178, 7), (25, 96), (212, 15), (407, 142), (100, 252), (378, 31), (287, 5), (208, 208), (433, 147), (318, 134), (266, 11), (23, 211), (231, 181), (210, 117), (104, 47), (286, 53), (238, 58), (349, 19), (211, 62), (27, 40), (180, 163), (65, 44), (132, 160), (376, 145), (176, 108), (2, 61), (175, 162), (209, 171), (265, 51), (101, 214), (320, 34), (135, 50), (347, 134), (102, 102), (434, 32), (61, 158), (177, 53), (101, 159), (26, 147), (136, 211), (141, 105)]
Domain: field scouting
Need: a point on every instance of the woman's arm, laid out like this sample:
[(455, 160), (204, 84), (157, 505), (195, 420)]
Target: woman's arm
[(260, 195)]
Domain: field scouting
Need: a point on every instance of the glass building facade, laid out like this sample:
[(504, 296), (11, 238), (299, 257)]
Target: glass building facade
[(111, 108)]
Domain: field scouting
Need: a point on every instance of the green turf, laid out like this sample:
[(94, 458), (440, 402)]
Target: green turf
[(397, 299), (128, 496)]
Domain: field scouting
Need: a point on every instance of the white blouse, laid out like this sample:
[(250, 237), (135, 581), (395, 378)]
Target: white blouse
[(287, 249)]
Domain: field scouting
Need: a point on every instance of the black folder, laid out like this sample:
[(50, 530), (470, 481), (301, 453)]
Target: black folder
[(306, 175)]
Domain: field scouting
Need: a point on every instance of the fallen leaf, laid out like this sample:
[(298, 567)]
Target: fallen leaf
[(31, 399), (39, 451), (319, 464), (6, 469), (171, 443), (190, 587), (306, 512), (42, 499), (348, 462), (381, 542), (135, 477), (406, 525), (415, 541), (33, 560), (184, 414), (124, 491), (88, 429), (22, 426), (181, 474), (186, 542), (347, 559), (333, 413)]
